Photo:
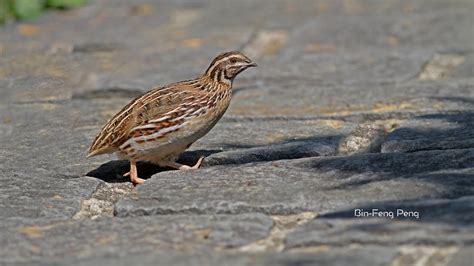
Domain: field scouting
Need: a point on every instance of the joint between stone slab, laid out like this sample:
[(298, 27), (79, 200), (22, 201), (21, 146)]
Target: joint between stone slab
[(282, 225)]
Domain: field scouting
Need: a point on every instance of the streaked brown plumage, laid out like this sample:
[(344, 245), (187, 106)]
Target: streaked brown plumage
[(165, 121)]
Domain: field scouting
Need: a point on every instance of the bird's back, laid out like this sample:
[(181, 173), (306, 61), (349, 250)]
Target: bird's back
[(160, 112)]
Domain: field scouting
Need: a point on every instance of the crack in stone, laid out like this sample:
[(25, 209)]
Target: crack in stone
[(103, 199), (283, 224), (440, 66)]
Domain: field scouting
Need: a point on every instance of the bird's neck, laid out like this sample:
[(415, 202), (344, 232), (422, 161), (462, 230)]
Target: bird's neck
[(213, 85), (217, 75)]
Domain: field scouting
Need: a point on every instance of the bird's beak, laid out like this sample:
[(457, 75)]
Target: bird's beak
[(251, 64)]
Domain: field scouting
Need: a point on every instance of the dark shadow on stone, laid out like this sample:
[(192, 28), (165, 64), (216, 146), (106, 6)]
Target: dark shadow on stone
[(394, 165), (282, 150), (457, 184), (441, 155), (113, 171), (458, 135)]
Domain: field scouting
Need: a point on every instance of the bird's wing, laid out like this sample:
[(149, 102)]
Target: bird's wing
[(160, 110)]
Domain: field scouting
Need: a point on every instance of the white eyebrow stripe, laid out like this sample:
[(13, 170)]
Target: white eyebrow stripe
[(224, 59), (217, 63)]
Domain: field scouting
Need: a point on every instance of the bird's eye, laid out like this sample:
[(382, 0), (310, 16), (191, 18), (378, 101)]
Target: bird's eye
[(233, 61)]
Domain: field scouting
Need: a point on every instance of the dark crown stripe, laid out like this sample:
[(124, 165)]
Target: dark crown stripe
[(216, 60)]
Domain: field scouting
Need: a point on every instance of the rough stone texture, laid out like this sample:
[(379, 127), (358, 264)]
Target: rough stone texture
[(324, 256), (321, 185), (366, 138), (106, 237), (355, 105)]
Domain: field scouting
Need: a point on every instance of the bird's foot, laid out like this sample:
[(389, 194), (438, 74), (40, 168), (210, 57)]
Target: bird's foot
[(137, 180), (134, 174), (179, 166), (195, 166)]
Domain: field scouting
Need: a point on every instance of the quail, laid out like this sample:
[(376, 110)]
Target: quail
[(162, 123)]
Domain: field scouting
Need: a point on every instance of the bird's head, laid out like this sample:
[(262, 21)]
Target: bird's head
[(226, 66)]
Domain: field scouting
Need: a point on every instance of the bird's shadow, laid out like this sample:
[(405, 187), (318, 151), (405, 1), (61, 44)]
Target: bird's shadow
[(113, 171)]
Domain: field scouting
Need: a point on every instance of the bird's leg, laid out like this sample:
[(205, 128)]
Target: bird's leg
[(179, 166), (134, 173)]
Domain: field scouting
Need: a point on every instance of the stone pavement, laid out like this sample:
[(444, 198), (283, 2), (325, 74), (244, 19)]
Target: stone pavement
[(355, 105)]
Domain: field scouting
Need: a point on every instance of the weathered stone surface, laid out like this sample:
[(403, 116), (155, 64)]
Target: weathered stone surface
[(331, 75), (42, 160), (101, 203), (324, 256), (43, 197), (308, 98), (366, 138), (315, 184), (110, 237)]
